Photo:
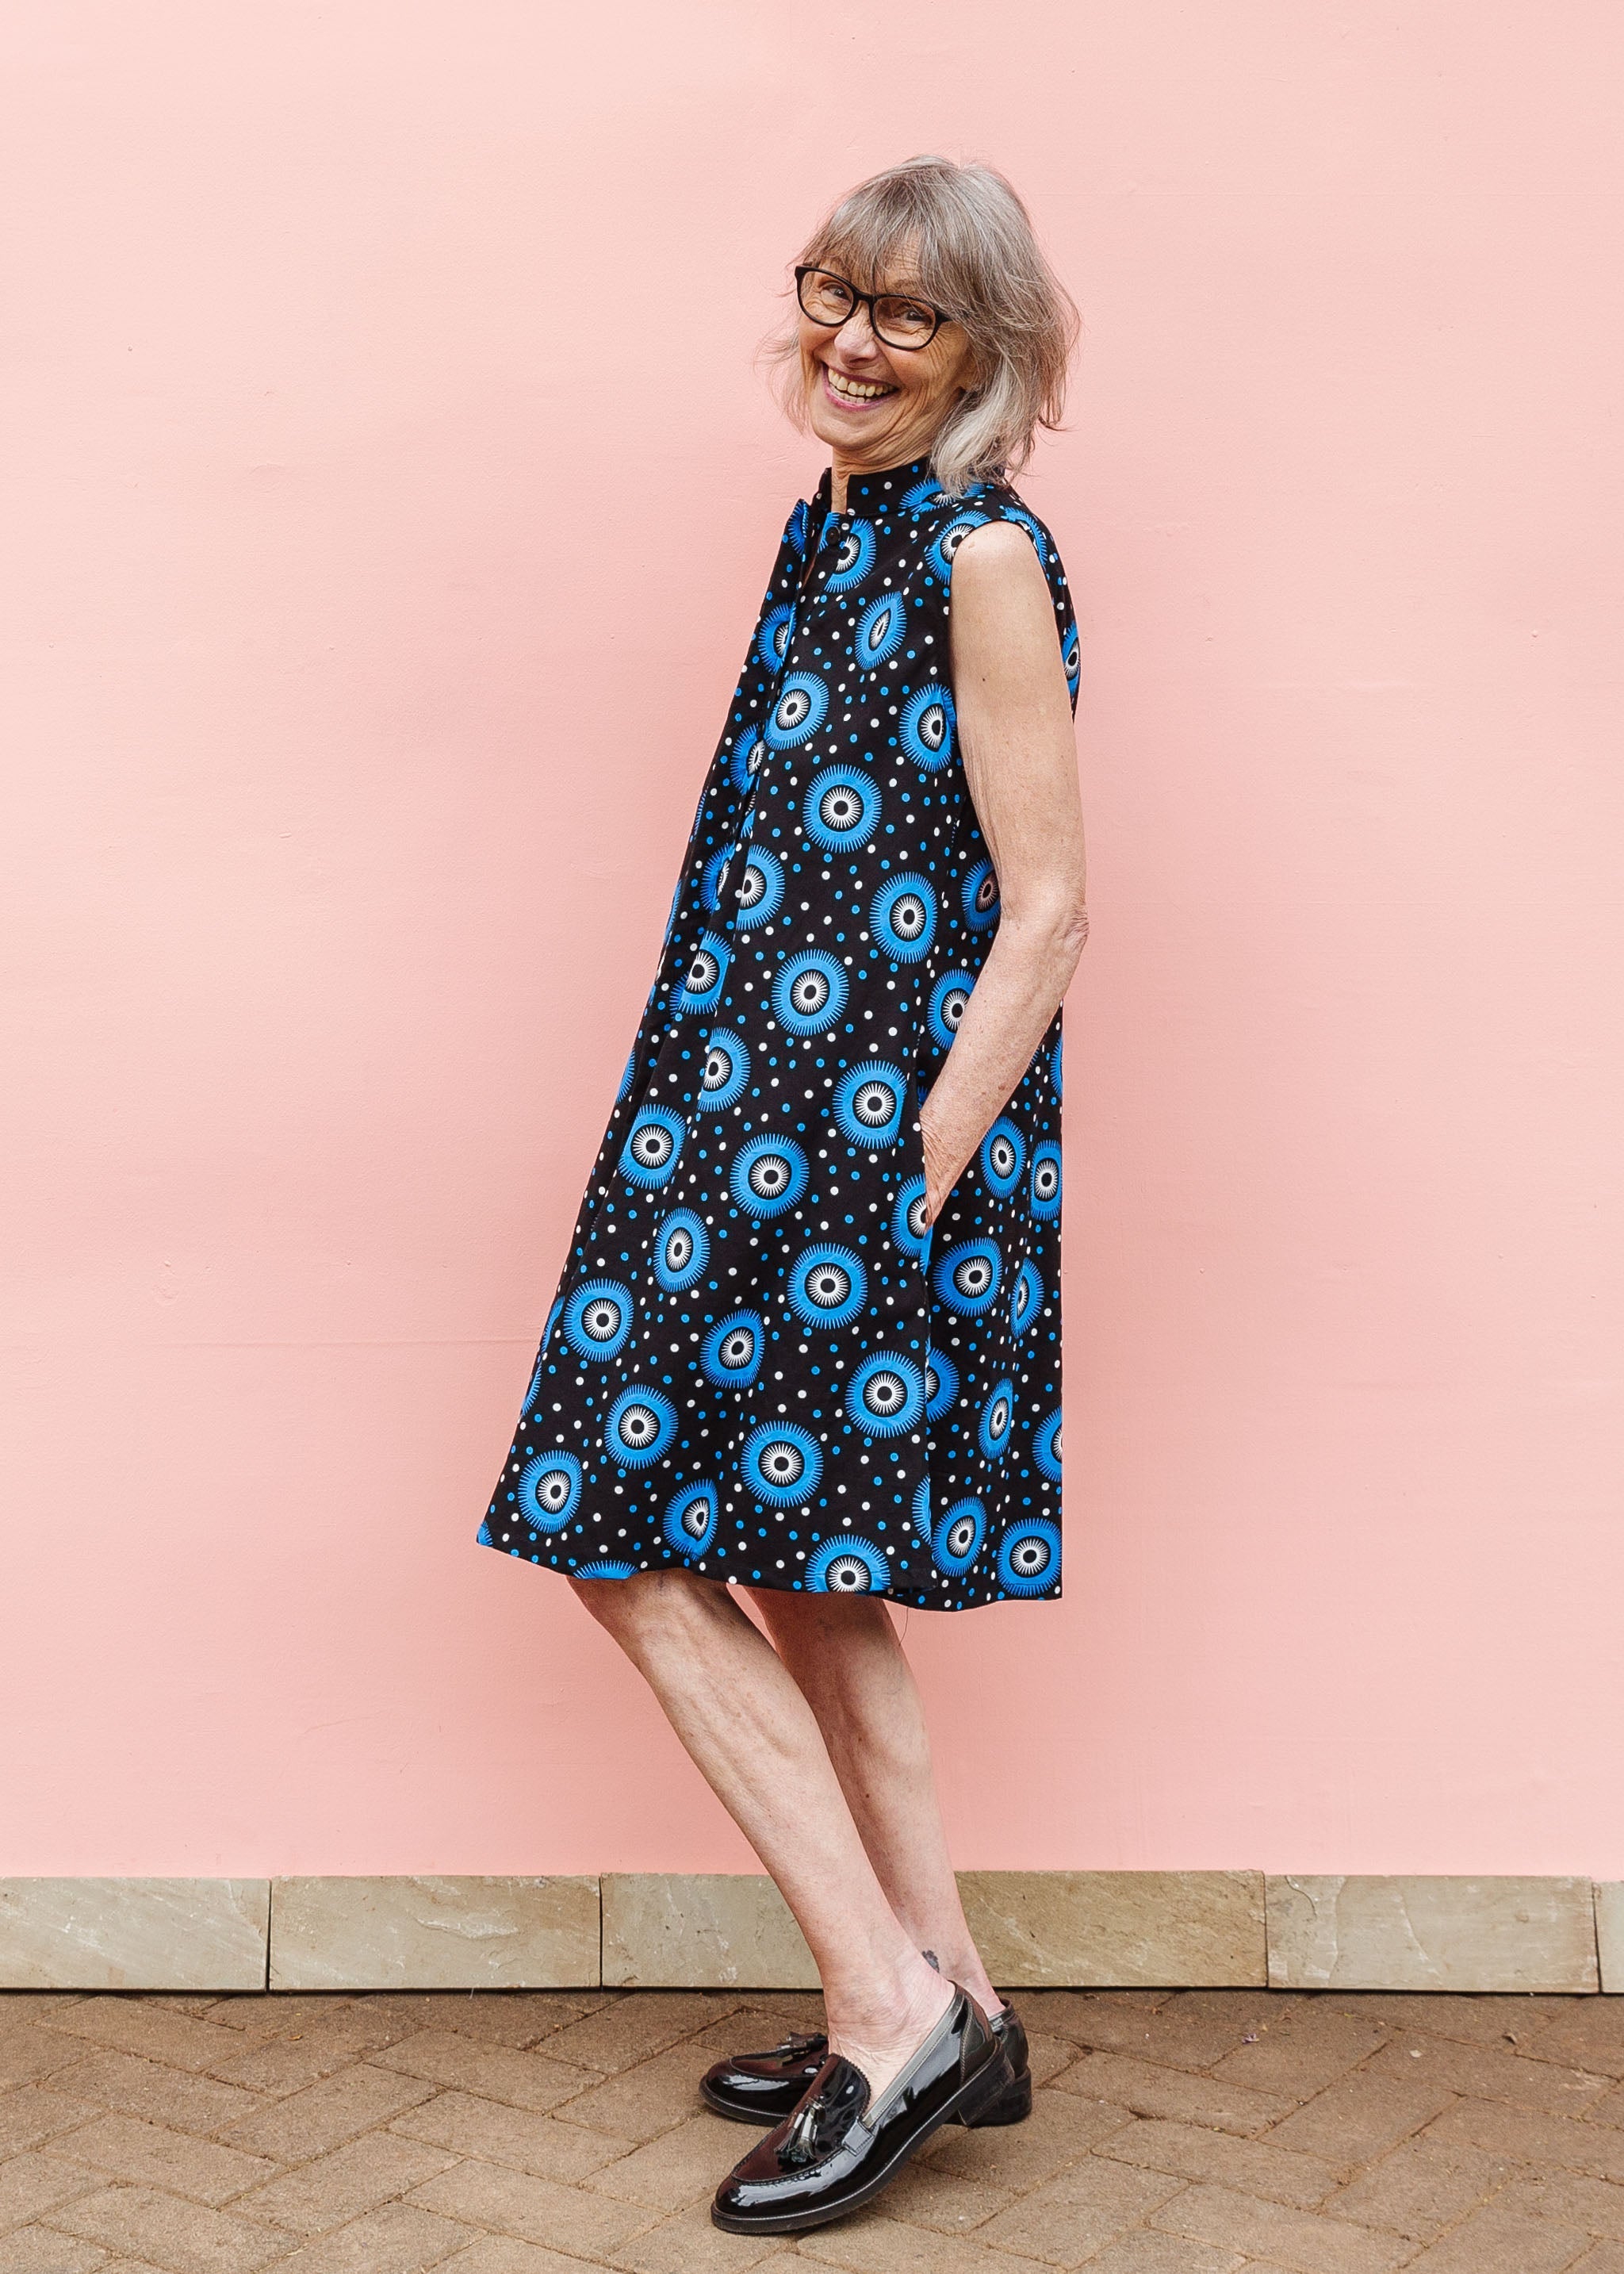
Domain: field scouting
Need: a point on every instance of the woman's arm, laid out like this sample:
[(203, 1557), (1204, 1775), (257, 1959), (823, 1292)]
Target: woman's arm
[(1021, 757)]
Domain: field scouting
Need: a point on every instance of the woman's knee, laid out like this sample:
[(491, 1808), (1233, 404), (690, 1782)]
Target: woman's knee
[(650, 1604)]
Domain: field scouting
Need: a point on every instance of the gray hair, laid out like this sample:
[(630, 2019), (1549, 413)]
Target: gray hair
[(969, 246)]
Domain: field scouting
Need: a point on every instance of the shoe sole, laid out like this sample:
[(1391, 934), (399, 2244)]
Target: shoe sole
[(970, 2099)]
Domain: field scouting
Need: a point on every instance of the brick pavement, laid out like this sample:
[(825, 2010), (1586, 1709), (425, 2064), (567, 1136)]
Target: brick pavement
[(1200, 2131)]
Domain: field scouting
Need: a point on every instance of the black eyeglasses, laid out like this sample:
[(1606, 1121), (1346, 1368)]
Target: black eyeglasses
[(896, 318)]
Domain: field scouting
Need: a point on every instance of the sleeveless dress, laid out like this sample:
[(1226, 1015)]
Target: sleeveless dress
[(762, 1366)]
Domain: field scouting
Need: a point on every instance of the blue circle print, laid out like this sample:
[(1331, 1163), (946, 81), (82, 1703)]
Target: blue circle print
[(1029, 1556), (598, 1318), (746, 758), (1033, 529), (641, 1424), (1026, 1301), (711, 881), (772, 641), (966, 1276), (730, 1353), (998, 1419), (705, 977), (847, 1565), (922, 496), (1055, 1068), (809, 992), (870, 1104), (1046, 1181), (781, 1464), (649, 1156), (902, 917), (681, 1251), (761, 889), (926, 726), (1003, 1156), (1071, 656), (941, 1385), (920, 1514), (1046, 1448), (950, 998), (689, 1522), (881, 630), (841, 809), (956, 1536), (828, 1287), (885, 1397), (605, 1567), (726, 1070), (941, 554), (853, 559), (979, 897), (908, 1225), (626, 1078), (537, 1372), (769, 1175), (801, 710), (549, 1489)]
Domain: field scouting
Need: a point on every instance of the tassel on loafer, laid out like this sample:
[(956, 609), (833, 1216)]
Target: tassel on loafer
[(764, 2088), (842, 2147)]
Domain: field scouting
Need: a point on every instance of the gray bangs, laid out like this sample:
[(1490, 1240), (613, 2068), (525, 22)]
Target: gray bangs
[(962, 238)]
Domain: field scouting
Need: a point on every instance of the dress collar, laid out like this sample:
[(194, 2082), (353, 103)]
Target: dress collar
[(868, 496)]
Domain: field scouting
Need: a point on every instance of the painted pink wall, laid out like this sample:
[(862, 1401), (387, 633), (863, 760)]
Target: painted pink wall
[(380, 587)]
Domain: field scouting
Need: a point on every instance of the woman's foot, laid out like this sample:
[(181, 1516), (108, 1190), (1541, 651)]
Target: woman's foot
[(845, 2142), (880, 2039)]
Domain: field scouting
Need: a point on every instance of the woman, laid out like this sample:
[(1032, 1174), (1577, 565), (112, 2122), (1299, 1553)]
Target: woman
[(807, 1340)]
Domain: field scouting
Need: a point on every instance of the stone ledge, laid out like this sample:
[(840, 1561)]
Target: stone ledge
[(1083, 1930), (133, 1934), (1360, 1932)]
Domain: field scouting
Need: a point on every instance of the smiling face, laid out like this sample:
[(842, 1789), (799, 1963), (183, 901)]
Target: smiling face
[(875, 406)]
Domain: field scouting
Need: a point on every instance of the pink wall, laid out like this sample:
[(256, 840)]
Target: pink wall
[(380, 590)]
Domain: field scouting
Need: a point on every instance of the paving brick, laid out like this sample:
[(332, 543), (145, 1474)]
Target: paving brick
[(156, 2156), (28, 2054), (1485, 2018), (644, 2101), (296, 2058), (582, 2226), (353, 2178), (135, 2086), (1295, 2239), (1494, 2241), (32, 2184), (1300, 2055), (1589, 2034), (634, 2030), (1606, 2258), (1591, 2204), (1161, 2253), (1185, 2034), (1020, 2155), (939, 2199), (398, 2239), (32, 2113), (262, 2014), (517, 2019), (1151, 2091), (182, 2238), (1609, 2109), (871, 2245), (682, 2166), (495, 2072), (1046, 2057), (40, 2250), (1360, 2117), (1488, 2073), (505, 2253), (520, 2137), (1073, 2215), (1252, 2166), (1421, 2187), (138, 2025), (1534, 2138), (325, 2115), (685, 2243)]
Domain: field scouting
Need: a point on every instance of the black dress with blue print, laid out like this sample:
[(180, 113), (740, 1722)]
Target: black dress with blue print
[(762, 1366)]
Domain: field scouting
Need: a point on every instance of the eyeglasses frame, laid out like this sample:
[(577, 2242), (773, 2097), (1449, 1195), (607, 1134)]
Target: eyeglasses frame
[(939, 316)]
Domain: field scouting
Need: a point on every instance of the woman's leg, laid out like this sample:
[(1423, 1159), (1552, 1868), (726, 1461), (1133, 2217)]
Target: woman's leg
[(849, 1666), (752, 1734)]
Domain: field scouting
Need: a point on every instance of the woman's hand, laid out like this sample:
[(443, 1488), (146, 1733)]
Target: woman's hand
[(1020, 760)]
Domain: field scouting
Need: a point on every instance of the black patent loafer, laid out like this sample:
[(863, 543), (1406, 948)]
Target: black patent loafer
[(842, 2147), (764, 2088)]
